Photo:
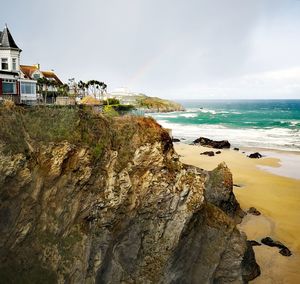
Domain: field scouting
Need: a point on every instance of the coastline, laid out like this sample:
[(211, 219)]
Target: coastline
[(277, 197)]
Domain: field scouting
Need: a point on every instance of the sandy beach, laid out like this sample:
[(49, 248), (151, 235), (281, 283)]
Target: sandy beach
[(266, 186)]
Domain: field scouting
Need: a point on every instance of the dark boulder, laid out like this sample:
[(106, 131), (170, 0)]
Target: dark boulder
[(211, 143), (218, 152), (253, 211), (208, 153), (271, 243), (236, 149), (175, 140), (285, 252), (254, 243), (255, 155)]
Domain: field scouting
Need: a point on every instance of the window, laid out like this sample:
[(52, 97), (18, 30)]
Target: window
[(14, 64), (36, 76), (9, 87), (27, 88), (4, 63)]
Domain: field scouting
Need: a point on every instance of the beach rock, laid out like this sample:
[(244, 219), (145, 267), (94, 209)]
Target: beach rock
[(219, 192), (255, 155), (211, 143), (253, 211), (208, 153), (271, 243), (285, 252), (218, 152), (175, 140), (254, 243), (236, 149)]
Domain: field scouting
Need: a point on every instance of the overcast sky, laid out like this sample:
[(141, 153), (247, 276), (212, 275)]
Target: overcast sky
[(198, 49)]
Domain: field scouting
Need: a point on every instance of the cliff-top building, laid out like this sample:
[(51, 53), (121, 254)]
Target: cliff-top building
[(18, 82)]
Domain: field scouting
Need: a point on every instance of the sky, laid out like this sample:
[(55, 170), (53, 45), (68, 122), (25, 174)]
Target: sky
[(192, 49)]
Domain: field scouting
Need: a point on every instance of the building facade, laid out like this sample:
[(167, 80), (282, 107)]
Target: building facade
[(21, 82), (125, 96), (48, 83), (12, 85)]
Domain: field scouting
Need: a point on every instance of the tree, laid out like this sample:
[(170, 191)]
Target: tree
[(63, 89), (43, 85)]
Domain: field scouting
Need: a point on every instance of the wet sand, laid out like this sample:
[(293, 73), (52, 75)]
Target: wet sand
[(276, 197)]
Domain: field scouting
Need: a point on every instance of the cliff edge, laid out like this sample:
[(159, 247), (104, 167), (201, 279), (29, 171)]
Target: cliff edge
[(90, 199)]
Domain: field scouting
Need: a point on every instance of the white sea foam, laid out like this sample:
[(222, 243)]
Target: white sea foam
[(166, 115), (211, 111), (273, 138), (188, 115), (294, 122), (207, 111)]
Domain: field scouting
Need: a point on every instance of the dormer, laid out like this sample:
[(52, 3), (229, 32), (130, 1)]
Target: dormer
[(9, 52)]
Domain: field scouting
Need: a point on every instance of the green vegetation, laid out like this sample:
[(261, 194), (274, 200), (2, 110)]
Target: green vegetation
[(117, 109), (21, 128), (110, 111), (111, 101), (158, 104)]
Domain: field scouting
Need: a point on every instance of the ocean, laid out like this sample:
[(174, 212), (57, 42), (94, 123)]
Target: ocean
[(270, 124)]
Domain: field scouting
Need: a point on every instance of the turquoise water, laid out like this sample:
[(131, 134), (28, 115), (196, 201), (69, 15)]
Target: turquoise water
[(271, 124)]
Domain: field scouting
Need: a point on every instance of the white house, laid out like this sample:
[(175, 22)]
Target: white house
[(125, 96), (33, 72), (12, 84)]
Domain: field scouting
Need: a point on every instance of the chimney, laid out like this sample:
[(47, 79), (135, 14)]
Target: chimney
[(37, 66)]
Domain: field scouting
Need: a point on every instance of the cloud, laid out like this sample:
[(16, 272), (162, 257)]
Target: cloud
[(161, 47)]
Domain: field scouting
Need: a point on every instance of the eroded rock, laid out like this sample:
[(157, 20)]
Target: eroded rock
[(118, 207), (271, 243), (208, 153), (255, 155), (212, 143), (253, 211)]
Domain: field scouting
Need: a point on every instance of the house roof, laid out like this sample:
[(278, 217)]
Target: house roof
[(51, 75), (7, 41), (90, 101), (28, 70)]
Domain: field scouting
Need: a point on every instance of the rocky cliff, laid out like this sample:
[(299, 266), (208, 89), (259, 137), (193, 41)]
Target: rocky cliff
[(90, 199)]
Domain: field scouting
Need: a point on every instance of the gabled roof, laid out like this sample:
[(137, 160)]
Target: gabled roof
[(28, 70), (7, 41), (51, 75)]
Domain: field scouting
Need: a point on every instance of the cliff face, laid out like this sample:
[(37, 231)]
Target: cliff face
[(115, 208)]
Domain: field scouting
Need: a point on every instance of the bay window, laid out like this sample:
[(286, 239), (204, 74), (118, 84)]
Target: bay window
[(28, 88), (9, 87)]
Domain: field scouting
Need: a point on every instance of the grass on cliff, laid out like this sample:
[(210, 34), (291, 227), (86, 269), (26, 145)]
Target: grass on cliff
[(21, 127), (157, 103)]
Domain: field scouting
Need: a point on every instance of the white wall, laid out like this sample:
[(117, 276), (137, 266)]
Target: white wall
[(10, 54)]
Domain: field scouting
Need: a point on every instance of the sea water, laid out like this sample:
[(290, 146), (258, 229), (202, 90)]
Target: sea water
[(270, 124)]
